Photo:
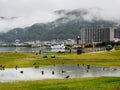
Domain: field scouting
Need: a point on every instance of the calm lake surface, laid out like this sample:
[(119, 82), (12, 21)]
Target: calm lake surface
[(59, 72), (28, 49)]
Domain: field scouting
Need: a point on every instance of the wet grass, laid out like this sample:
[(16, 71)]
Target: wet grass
[(117, 47), (98, 83), (107, 58)]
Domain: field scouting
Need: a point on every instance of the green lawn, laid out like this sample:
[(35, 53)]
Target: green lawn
[(99, 83), (107, 58)]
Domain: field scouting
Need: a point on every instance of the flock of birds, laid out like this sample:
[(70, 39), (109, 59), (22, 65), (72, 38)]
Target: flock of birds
[(42, 72)]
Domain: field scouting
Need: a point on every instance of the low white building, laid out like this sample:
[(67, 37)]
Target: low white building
[(70, 42)]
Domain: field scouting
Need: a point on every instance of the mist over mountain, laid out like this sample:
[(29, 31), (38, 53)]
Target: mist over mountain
[(68, 25), (10, 18)]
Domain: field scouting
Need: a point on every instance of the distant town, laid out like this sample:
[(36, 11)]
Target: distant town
[(88, 36)]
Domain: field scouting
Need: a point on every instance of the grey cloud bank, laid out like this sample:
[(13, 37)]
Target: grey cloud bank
[(28, 12)]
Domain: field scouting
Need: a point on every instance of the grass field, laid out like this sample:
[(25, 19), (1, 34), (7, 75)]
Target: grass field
[(117, 47), (107, 58), (98, 83)]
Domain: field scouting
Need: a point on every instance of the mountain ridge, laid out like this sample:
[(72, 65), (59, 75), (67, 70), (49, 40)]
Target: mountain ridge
[(68, 25)]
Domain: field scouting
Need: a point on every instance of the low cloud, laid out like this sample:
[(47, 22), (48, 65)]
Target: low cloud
[(89, 14), (7, 24), (22, 13)]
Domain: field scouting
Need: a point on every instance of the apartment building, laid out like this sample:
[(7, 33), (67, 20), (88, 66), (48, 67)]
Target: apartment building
[(97, 34)]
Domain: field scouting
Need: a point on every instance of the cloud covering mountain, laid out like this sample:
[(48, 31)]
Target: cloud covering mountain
[(68, 25), (29, 12)]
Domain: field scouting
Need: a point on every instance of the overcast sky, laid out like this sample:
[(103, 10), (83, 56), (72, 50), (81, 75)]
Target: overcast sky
[(21, 13)]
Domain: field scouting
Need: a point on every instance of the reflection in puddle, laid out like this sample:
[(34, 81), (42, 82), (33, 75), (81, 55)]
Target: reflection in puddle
[(60, 71)]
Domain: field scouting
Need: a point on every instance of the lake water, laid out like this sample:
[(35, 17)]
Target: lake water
[(59, 72), (27, 49)]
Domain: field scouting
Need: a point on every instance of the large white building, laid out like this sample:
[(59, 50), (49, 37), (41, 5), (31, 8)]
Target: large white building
[(97, 34)]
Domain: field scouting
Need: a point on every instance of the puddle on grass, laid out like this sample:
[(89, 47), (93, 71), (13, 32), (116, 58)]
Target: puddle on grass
[(59, 72)]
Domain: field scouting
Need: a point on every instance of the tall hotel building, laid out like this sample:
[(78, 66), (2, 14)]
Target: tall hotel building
[(89, 35)]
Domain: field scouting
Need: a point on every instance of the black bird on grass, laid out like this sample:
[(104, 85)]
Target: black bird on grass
[(67, 76), (34, 63)]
